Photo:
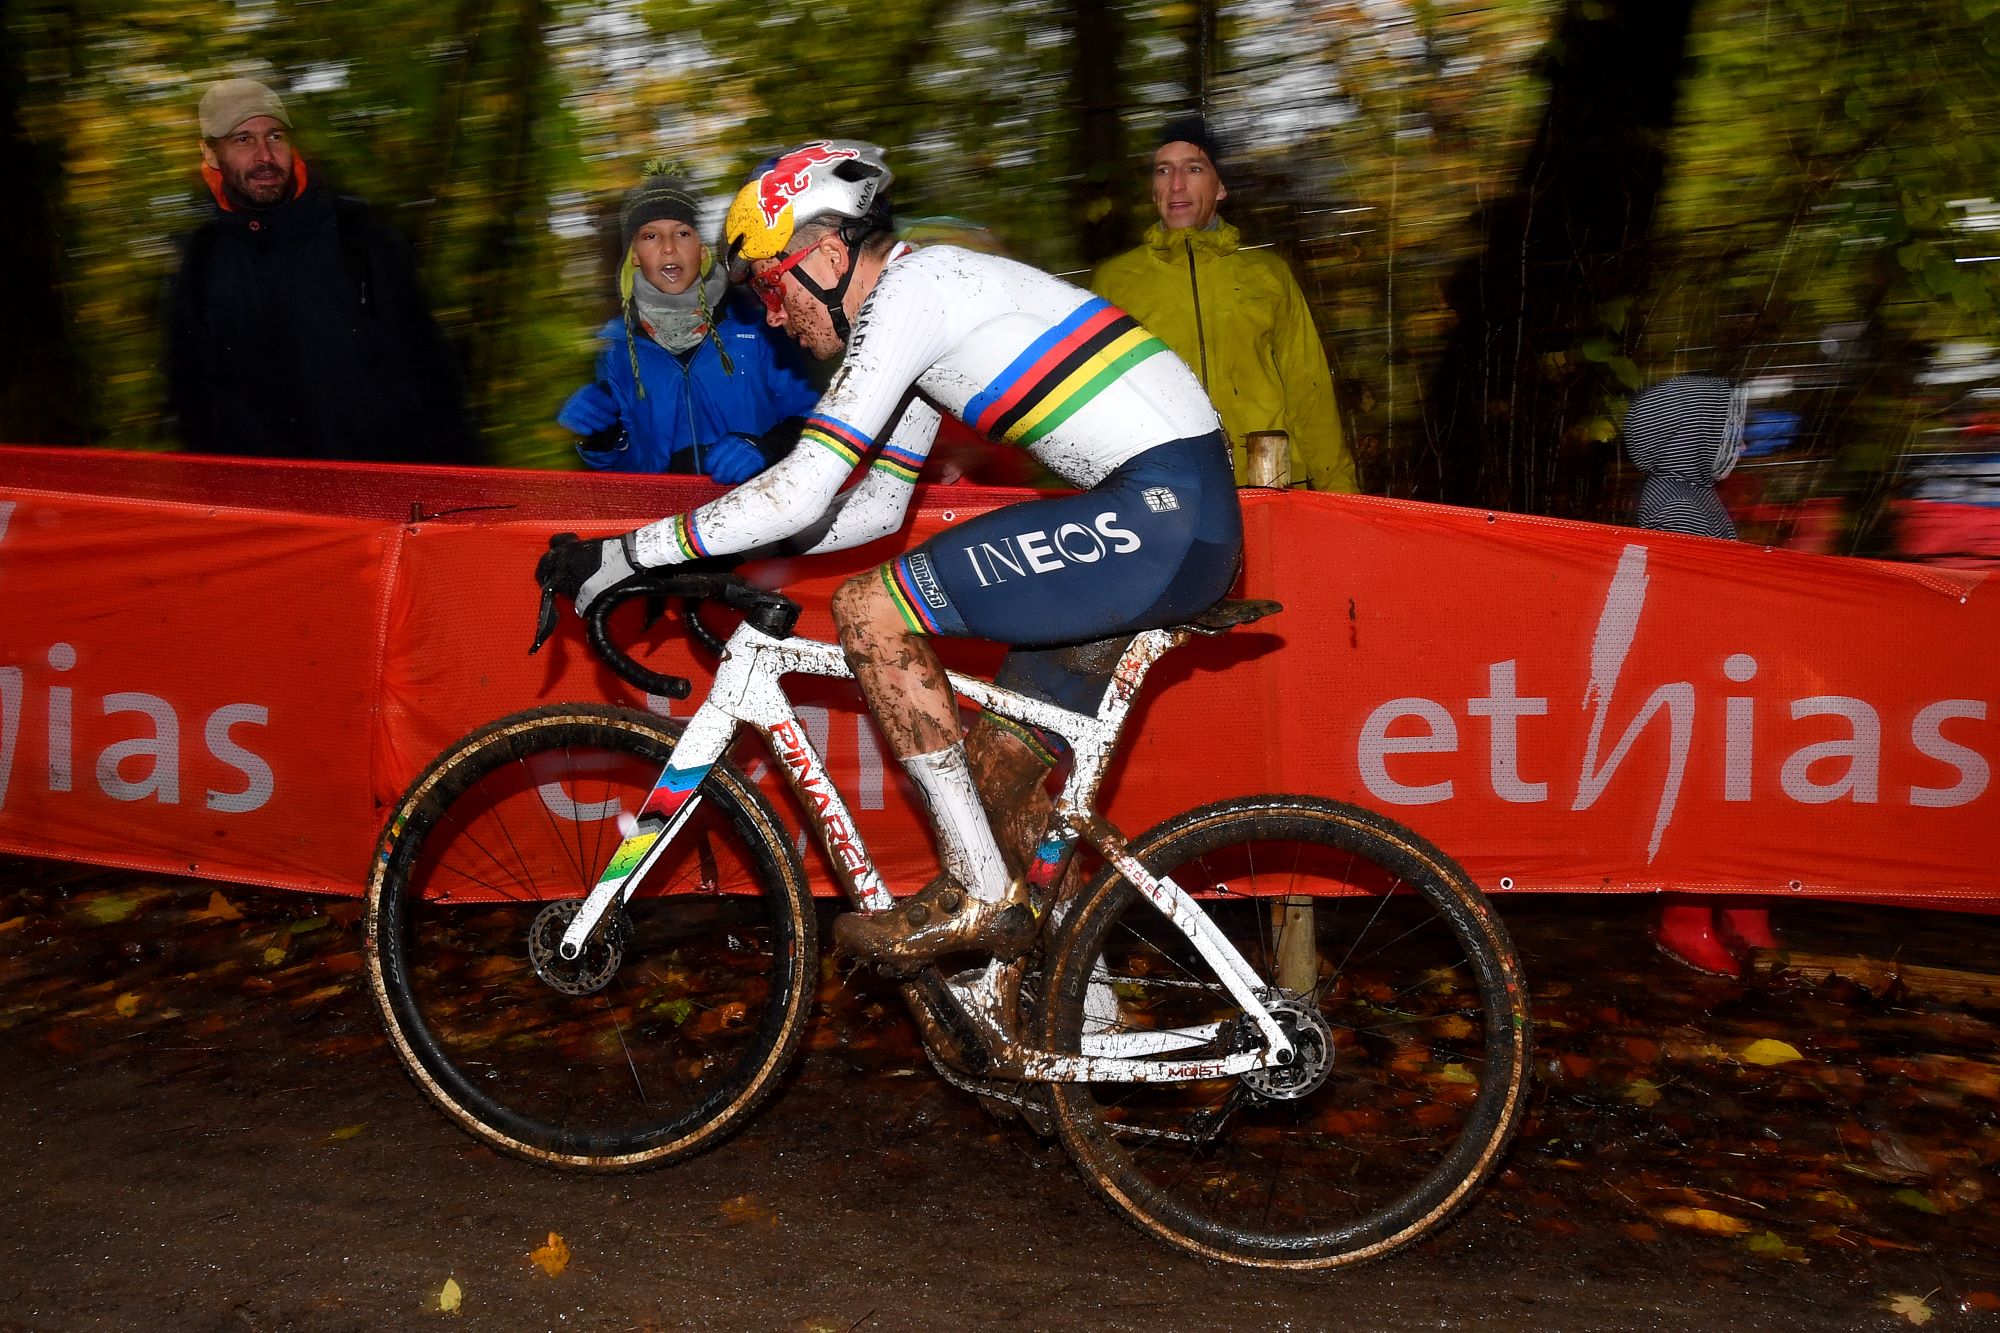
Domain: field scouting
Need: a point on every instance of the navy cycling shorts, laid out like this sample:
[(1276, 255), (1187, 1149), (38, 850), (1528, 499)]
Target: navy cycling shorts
[(1155, 543)]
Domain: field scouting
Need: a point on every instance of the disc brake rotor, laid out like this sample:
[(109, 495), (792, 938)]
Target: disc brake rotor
[(1312, 1052), (592, 970)]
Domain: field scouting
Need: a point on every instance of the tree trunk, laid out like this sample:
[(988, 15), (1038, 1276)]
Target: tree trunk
[(42, 399), (1536, 350), (1099, 168), (514, 212)]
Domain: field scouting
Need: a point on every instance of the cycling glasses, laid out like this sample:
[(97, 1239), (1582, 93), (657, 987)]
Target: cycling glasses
[(770, 283)]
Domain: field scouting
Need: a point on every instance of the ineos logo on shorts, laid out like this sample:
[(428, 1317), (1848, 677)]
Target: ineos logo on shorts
[(1042, 552)]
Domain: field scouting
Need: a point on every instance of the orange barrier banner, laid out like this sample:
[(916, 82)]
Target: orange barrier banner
[(232, 668)]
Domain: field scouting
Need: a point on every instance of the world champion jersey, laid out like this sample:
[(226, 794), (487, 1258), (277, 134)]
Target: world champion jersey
[(1021, 357)]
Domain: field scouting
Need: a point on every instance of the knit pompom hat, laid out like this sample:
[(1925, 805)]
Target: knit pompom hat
[(664, 191)]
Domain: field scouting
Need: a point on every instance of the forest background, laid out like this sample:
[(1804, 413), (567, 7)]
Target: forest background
[(1508, 216)]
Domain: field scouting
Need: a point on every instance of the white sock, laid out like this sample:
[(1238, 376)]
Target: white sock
[(965, 839)]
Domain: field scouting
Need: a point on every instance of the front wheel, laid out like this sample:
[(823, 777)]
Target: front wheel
[(670, 1029), (1406, 1007)]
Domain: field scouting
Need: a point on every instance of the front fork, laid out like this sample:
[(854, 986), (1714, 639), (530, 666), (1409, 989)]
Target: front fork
[(672, 802)]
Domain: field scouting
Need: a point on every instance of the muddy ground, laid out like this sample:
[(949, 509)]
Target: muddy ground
[(205, 1129)]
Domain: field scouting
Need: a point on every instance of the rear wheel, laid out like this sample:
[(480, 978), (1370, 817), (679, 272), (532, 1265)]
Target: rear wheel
[(1408, 1014), (670, 1029)]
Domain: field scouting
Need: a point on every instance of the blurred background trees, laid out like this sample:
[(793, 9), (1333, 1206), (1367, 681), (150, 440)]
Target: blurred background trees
[(1509, 215)]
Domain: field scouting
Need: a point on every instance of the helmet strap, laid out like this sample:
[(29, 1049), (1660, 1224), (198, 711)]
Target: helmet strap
[(833, 298)]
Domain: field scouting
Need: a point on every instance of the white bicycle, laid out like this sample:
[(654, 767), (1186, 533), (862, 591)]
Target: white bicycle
[(593, 942)]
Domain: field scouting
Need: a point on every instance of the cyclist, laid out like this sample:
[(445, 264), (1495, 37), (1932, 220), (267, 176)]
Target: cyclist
[(1153, 538)]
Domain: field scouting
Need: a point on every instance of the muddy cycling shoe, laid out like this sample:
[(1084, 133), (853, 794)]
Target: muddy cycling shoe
[(941, 919)]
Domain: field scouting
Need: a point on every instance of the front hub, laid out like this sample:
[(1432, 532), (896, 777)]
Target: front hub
[(591, 971)]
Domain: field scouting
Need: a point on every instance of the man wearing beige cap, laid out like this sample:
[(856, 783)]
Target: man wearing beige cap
[(297, 325)]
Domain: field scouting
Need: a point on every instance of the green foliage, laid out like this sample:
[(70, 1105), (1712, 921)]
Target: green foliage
[(1819, 171)]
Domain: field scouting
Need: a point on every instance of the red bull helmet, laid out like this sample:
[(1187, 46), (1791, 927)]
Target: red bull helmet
[(827, 178)]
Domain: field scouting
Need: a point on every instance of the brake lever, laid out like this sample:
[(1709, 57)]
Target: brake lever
[(545, 621)]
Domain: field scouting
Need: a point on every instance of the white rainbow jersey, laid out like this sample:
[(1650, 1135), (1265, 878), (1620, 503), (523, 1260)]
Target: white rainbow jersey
[(1019, 356)]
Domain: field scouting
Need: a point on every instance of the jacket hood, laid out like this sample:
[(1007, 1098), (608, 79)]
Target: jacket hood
[(1221, 239), (1689, 428)]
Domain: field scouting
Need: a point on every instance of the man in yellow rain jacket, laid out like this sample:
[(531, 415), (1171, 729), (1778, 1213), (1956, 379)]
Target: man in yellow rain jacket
[(1236, 316)]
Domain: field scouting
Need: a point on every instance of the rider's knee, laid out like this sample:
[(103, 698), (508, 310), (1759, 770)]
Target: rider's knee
[(860, 600)]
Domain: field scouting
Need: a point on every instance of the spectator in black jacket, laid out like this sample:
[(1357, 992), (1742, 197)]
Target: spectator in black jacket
[(297, 325)]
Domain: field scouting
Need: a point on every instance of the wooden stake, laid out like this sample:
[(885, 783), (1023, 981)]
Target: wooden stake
[(1292, 918)]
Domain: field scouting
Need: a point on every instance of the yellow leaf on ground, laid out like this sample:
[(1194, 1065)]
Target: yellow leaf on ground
[(450, 1296), (1911, 1308), (127, 1005), (743, 1208), (1770, 1051), (1771, 1245), (219, 909), (1705, 1219), (274, 955), (346, 1132), (1642, 1092), (551, 1257)]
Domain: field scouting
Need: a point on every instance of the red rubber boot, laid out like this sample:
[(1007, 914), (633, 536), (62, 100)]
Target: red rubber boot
[(1686, 933), (1749, 927)]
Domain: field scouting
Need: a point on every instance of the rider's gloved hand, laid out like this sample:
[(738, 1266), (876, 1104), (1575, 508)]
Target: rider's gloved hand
[(584, 570), (732, 459), (589, 410)]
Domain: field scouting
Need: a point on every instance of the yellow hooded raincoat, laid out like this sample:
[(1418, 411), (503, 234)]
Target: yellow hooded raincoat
[(1241, 323)]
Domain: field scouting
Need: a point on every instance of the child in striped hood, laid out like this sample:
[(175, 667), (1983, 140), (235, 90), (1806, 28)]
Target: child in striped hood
[(1685, 434)]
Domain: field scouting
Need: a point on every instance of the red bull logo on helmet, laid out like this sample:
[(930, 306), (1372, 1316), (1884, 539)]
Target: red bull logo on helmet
[(790, 174)]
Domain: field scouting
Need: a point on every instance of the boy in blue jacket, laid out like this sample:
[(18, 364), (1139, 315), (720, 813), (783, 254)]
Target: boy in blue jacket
[(689, 378)]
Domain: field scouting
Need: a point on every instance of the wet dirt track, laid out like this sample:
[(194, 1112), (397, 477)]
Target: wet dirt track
[(205, 1129)]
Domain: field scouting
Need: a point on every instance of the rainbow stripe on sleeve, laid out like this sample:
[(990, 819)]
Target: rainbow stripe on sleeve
[(686, 540), (899, 463), (837, 437), (1060, 372)]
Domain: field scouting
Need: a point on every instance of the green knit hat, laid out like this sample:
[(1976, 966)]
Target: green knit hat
[(664, 191)]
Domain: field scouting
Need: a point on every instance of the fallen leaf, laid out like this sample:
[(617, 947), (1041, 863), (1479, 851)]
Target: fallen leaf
[(1916, 1199), (274, 955), (1642, 1092), (12, 923), (450, 1296), (1771, 1245), (109, 908), (1911, 1308), (1456, 1073), (219, 909), (346, 1132), (127, 1005), (1979, 1300), (743, 1208), (311, 923), (1705, 1219), (552, 1256), (1770, 1051)]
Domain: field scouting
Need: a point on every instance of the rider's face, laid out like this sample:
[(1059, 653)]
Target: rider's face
[(798, 312)]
